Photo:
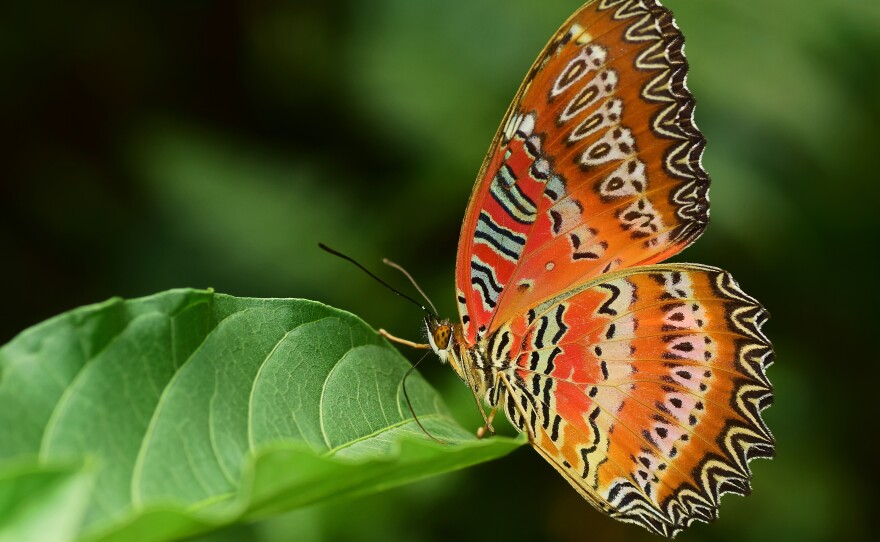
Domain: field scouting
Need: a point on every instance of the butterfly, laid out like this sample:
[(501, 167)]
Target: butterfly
[(641, 383)]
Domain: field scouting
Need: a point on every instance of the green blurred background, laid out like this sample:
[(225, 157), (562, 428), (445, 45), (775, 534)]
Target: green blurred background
[(167, 144)]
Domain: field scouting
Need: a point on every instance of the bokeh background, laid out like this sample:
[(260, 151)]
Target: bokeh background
[(166, 144)]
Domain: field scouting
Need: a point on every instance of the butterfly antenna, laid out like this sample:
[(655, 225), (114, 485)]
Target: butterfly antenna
[(380, 281), (389, 263), (409, 403)]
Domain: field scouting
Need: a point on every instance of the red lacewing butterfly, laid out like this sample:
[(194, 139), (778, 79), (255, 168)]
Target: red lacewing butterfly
[(642, 384)]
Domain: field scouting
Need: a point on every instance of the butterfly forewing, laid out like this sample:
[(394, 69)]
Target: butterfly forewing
[(644, 389), (596, 166)]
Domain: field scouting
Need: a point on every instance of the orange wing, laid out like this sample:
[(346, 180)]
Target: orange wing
[(596, 166), (645, 390)]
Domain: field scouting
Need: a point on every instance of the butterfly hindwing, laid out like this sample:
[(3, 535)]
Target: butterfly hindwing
[(644, 388), (596, 166)]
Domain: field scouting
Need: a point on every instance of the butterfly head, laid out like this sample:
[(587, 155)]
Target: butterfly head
[(439, 336)]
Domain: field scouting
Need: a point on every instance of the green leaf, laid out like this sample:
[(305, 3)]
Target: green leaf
[(43, 502), (195, 410)]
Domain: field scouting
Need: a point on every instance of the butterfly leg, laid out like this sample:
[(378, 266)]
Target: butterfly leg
[(522, 413), (404, 342), (487, 420), (487, 427)]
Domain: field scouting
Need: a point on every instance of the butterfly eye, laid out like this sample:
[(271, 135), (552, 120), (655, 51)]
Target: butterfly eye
[(441, 337)]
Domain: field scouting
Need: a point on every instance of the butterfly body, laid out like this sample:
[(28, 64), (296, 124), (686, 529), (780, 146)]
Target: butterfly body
[(641, 383), (471, 363)]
